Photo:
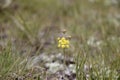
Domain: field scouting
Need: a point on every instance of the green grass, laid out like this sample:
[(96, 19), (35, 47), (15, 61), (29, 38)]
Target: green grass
[(34, 22)]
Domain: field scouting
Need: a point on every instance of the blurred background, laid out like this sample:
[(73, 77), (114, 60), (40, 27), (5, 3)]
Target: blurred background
[(32, 27), (28, 24)]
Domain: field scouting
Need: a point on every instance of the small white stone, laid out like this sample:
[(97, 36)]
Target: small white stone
[(54, 67), (67, 71), (72, 68)]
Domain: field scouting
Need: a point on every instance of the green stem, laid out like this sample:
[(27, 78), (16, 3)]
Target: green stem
[(64, 57)]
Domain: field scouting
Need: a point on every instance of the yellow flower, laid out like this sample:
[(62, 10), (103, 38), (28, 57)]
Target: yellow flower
[(63, 43)]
